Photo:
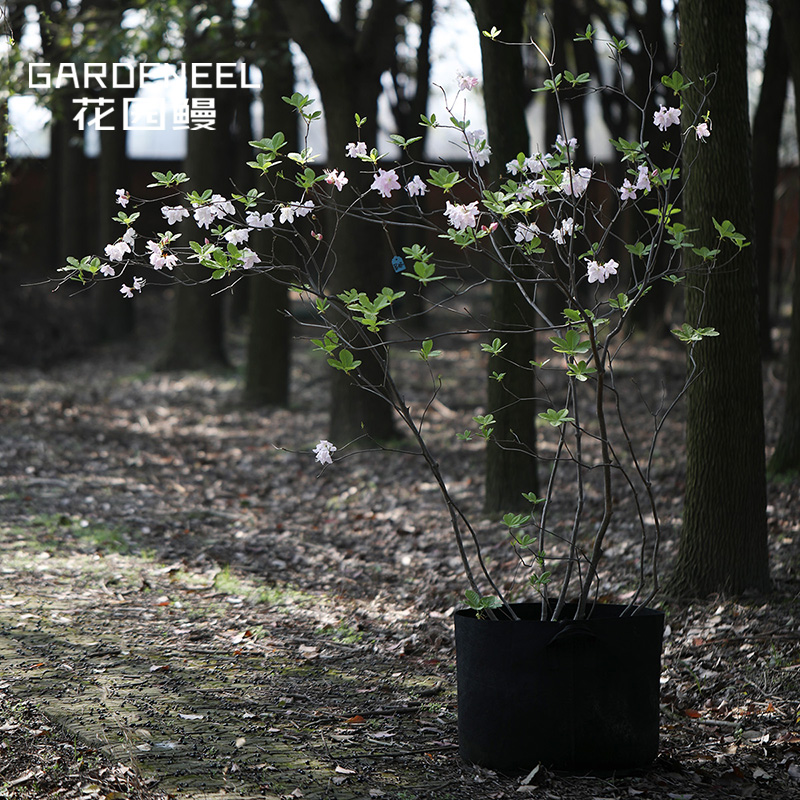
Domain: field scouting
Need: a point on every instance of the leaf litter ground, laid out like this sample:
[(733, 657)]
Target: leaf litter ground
[(190, 608)]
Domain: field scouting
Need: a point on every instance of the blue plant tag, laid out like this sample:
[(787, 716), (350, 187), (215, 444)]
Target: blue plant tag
[(398, 265)]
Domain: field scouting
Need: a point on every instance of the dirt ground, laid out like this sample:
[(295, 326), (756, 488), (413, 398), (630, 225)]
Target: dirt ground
[(190, 607)]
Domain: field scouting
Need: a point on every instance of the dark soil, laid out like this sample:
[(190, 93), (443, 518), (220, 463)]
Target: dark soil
[(189, 606)]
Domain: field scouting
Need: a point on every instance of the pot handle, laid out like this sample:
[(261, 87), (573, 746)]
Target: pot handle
[(572, 630)]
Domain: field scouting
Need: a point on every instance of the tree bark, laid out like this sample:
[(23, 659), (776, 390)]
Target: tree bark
[(766, 141), (347, 62), (269, 341), (786, 458), (723, 545), (511, 452)]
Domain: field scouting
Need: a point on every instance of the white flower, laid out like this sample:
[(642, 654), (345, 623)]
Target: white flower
[(643, 179), (665, 117), (170, 260), (292, 210), (568, 226), (356, 149), (223, 205), (574, 183), (323, 452), (129, 236), (249, 258), (599, 273), (535, 163), (238, 235), (335, 178), (561, 142), (117, 251), (525, 233), (126, 291), (256, 220), (205, 215), (628, 191), (138, 284), (173, 214), (557, 235), (481, 155), (703, 131), (512, 167), (462, 217), (107, 270), (123, 197), (416, 186)]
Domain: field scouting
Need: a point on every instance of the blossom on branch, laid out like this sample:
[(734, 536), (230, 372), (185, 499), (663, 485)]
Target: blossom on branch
[(256, 220), (238, 235), (665, 117), (599, 273), (466, 82), (323, 452), (336, 178), (116, 251), (703, 131), (628, 191), (292, 210), (385, 182), (173, 214), (249, 258), (123, 197), (526, 233), (416, 186), (355, 149), (462, 217), (573, 184)]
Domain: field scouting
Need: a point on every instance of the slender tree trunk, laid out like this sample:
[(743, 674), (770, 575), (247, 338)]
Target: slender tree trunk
[(196, 335), (269, 342), (786, 457), (114, 313), (511, 453), (347, 61), (766, 141), (724, 541)]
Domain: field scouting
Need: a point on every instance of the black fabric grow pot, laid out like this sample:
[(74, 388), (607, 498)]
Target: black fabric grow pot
[(570, 695)]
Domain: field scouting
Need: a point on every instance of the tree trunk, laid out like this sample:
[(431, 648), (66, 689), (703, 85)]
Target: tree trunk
[(269, 341), (347, 62), (724, 541), (114, 313), (786, 457), (766, 141), (511, 453), (196, 336)]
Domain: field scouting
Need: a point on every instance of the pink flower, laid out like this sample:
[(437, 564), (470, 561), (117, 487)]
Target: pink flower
[(335, 178), (466, 82), (416, 186), (123, 197), (356, 149), (462, 217), (665, 117), (525, 233), (385, 182)]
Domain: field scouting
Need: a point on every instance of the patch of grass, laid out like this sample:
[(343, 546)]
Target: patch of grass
[(344, 633)]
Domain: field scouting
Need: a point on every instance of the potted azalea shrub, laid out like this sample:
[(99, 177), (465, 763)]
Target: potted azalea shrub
[(560, 678)]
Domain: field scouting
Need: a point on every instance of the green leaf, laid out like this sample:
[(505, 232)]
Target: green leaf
[(556, 418), (687, 334), (570, 344), (495, 348), (516, 520)]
